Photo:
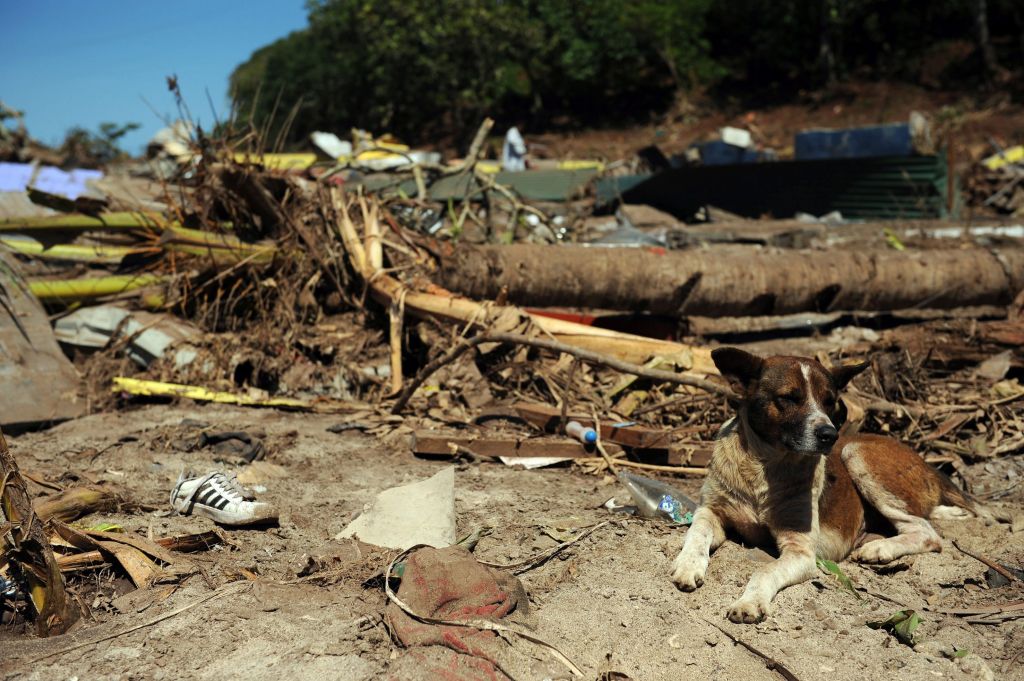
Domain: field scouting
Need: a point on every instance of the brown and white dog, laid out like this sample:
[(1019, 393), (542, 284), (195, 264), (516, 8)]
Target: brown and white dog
[(780, 473)]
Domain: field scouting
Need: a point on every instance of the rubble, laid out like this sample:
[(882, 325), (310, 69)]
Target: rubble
[(469, 317)]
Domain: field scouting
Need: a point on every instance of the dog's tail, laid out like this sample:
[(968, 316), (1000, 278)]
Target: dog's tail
[(951, 495)]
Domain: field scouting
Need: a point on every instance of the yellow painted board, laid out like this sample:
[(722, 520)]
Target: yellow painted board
[(278, 161), (493, 167), (146, 388), (1011, 155), (135, 386)]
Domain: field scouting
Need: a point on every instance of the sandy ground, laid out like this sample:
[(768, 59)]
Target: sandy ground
[(606, 602)]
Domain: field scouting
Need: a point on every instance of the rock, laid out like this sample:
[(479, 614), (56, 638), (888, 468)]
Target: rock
[(975, 667), (934, 650)]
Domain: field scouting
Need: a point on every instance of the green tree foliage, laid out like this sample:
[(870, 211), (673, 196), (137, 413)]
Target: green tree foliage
[(424, 69), (420, 68), (84, 148)]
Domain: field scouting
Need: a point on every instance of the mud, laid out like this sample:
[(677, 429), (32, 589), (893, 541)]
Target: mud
[(606, 602)]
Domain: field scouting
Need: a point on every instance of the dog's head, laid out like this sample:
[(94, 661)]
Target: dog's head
[(790, 402)]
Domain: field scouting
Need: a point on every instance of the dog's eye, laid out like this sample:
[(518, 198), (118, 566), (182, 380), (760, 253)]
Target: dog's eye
[(830, 402), (787, 400)]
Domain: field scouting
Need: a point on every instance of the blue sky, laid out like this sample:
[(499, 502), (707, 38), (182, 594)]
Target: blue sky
[(85, 62)]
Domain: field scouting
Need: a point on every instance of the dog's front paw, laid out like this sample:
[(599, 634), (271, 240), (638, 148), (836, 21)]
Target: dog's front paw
[(686, 575), (875, 552), (747, 611)]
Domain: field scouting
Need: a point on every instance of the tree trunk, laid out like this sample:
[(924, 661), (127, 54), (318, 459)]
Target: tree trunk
[(988, 53), (733, 281), (826, 54), (26, 547)]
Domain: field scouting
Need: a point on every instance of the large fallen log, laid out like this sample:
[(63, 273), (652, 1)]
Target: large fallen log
[(695, 361), (733, 281)]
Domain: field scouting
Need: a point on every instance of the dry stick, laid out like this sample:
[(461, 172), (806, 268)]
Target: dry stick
[(685, 470), (769, 661), (566, 394), (598, 444), (539, 558), (469, 624), (224, 591), (396, 312), (554, 346), (477, 145), (989, 562), (667, 403)]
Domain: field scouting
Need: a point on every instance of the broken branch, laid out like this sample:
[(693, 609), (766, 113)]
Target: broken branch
[(555, 346)]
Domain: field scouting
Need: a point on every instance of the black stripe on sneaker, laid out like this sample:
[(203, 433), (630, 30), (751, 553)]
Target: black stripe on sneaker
[(224, 502), (205, 497)]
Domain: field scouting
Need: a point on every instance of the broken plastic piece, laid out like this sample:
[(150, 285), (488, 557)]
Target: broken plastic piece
[(587, 436)]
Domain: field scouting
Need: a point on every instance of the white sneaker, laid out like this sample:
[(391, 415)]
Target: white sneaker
[(221, 498)]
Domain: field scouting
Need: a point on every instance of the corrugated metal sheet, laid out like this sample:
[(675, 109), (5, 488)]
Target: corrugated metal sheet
[(902, 187), (532, 185)]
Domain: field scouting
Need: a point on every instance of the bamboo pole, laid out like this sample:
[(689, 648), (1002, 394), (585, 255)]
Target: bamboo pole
[(73, 290), (113, 221)]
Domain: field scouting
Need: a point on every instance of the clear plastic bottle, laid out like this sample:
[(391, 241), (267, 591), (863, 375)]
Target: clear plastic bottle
[(655, 499)]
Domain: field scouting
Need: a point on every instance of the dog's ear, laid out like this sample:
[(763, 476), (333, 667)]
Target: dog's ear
[(740, 368), (843, 374)]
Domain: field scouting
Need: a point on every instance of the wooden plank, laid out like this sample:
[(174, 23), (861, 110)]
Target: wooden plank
[(547, 419), (690, 454)]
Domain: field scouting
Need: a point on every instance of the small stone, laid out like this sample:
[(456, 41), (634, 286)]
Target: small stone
[(934, 650), (712, 639), (975, 667)]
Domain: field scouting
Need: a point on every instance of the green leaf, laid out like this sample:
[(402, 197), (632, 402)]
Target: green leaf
[(962, 652), (903, 625), (106, 527), (893, 240), (840, 576)]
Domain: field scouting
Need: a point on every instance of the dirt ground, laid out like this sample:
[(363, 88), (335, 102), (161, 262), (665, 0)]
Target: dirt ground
[(606, 602)]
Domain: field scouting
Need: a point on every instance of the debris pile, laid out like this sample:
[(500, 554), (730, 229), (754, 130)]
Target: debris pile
[(475, 316)]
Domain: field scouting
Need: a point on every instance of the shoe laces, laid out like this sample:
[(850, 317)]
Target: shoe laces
[(232, 487)]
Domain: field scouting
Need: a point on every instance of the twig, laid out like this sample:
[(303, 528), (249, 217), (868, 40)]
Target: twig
[(667, 403), (224, 591), (769, 661), (989, 562), (598, 444), (542, 557), (477, 145), (680, 470), (554, 346), (469, 624), (566, 394)]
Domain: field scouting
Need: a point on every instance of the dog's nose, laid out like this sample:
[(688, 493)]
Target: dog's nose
[(826, 434)]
